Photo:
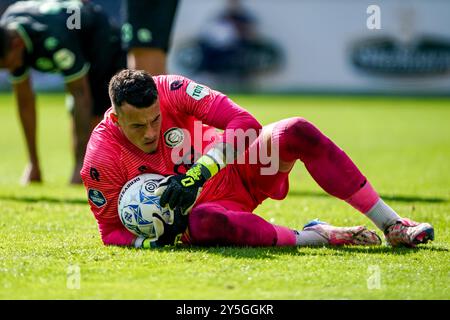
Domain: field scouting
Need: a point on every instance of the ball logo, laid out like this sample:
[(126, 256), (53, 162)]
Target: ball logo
[(127, 186), (151, 186), (128, 216), (173, 137)]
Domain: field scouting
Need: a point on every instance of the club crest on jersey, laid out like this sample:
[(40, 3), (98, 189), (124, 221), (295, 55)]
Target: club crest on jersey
[(97, 197), (64, 58), (197, 91), (173, 137)]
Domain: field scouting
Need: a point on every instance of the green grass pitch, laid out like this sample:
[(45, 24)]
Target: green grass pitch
[(49, 238)]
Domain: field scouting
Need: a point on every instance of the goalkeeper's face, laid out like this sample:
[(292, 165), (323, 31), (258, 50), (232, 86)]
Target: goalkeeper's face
[(141, 126)]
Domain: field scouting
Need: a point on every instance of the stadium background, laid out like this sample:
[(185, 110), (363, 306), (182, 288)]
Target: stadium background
[(305, 46)]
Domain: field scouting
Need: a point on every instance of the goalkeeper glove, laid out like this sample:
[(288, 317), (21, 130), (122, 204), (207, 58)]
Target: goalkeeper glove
[(172, 232), (181, 191)]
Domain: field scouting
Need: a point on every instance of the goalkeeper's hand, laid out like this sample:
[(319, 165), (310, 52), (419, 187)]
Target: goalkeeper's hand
[(181, 191), (171, 233)]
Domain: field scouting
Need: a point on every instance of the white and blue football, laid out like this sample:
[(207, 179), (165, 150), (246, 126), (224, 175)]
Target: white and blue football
[(137, 204)]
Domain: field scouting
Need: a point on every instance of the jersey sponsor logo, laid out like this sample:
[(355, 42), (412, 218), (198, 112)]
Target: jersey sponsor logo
[(177, 84), (173, 137), (97, 197), (95, 175), (64, 58), (197, 91)]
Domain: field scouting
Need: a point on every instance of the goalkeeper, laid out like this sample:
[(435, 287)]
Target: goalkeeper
[(159, 124)]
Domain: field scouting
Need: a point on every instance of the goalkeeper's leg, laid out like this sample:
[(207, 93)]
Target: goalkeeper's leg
[(335, 172), (213, 224)]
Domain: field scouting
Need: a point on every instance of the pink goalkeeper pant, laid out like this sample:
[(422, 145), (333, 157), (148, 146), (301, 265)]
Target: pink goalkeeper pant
[(222, 223)]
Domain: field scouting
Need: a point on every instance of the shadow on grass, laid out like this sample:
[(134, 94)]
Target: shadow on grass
[(45, 199), (273, 252), (398, 198)]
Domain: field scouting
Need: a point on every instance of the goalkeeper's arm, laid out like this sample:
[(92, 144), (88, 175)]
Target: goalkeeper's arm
[(181, 191)]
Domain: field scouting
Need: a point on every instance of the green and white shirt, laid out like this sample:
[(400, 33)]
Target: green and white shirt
[(52, 43)]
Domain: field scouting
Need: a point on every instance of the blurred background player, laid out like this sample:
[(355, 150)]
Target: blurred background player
[(146, 33), (73, 38), (154, 118), (230, 50)]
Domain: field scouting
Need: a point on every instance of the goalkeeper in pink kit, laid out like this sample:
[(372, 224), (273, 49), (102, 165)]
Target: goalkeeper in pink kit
[(214, 181)]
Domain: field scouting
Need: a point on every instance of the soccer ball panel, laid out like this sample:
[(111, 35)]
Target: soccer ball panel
[(137, 204)]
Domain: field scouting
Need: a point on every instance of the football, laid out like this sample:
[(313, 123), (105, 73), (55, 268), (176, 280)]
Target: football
[(137, 204)]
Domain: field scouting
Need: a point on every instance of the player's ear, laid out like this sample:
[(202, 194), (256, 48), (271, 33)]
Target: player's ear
[(114, 117)]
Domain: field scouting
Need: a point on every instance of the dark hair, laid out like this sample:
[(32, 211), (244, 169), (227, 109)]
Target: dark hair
[(4, 41), (135, 87)]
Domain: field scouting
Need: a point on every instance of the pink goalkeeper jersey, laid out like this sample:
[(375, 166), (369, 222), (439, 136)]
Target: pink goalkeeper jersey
[(111, 160)]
